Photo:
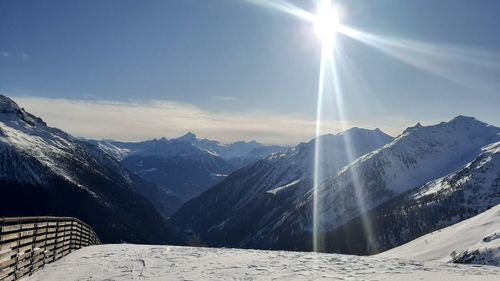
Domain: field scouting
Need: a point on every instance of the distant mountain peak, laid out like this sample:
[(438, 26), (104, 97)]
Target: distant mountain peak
[(8, 106), (242, 142), (468, 123), (464, 118), (349, 134), (188, 137), (460, 122), (416, 127), (356, 131)]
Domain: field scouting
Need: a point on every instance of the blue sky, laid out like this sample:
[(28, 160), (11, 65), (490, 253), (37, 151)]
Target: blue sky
[(226, 60)]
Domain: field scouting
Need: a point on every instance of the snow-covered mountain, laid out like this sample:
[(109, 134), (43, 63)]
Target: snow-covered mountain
[(161, 147), (254, 197), (179, 168), (184, 167), (232, 150), (416, 157), (374, 180), (240, 150), (419, 155), (475, 240), (255, 155), (464, 193), (45, 171)]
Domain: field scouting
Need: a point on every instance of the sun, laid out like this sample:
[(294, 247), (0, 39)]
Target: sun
[(326, 22)]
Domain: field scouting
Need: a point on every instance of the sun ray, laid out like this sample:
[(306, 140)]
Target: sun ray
[(285, 7), (441, 60), (333, 64), (446, 61), (317, 169)]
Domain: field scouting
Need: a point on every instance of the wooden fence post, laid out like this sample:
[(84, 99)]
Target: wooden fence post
[(45, 242), (55, 241), (17, 246), (33, 242)]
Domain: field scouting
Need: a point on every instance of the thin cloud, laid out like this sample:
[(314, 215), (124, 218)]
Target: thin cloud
[(6, 54), (131, 121), (225, 98)]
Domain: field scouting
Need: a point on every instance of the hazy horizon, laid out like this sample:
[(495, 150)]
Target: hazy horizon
[(80, 114)]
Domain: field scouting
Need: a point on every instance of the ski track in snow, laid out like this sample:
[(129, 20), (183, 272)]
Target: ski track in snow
[(147, 262)]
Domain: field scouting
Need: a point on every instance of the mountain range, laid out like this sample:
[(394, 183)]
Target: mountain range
[(253, 199), (364, 206), (184, 167), (45, 171), (359, 191)]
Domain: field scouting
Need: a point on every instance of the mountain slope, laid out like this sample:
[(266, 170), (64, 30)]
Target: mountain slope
[(44, 171), (475, 240), (251, 199), (255, 155), (184, 167), (418, 156), (374, 180), (179, 168), (464, 193)]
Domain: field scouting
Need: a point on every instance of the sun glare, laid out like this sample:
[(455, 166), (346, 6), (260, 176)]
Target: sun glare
[(326, 22)]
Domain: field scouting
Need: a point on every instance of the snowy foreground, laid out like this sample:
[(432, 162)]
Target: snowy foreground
[(144, 262)]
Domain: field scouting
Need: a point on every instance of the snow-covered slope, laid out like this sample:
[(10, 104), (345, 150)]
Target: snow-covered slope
[(21, 132), (419, 155), (143, 262), (112, 148), (462, 194), (282, 218), (53, 173), (479, 180), (250, 201), (475, 240), (256, 154)]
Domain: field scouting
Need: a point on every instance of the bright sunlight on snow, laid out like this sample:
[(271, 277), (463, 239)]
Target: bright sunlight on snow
[(142, 262)]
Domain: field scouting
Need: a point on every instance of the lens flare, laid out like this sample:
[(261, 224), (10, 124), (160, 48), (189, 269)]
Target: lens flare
[(317, 171), (430, 57), (446, 61), (284, 7), (326, 23)]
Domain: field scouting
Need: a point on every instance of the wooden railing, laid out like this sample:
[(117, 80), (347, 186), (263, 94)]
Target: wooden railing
[(28, 243)]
